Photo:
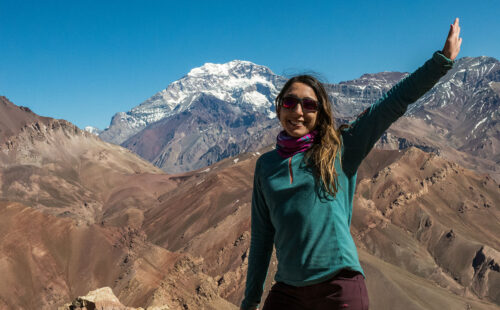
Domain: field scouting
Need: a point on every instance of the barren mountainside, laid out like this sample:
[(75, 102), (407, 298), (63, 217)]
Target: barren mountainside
[(78, 214)]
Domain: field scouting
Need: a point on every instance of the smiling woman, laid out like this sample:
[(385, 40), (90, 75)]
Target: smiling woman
[(303, 192)]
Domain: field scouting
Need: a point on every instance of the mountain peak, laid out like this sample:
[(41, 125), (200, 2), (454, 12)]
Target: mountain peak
[(13, 118), (482, 59), (238, 82), (228, 68)]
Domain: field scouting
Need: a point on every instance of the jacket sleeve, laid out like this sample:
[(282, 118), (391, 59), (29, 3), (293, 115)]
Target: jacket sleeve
[(261, 246), (363, 132)]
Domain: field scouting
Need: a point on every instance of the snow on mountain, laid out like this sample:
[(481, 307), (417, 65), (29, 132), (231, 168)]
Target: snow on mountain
[(462, 107), (349, 98), (93, 130), (241, 83), (466, 99)]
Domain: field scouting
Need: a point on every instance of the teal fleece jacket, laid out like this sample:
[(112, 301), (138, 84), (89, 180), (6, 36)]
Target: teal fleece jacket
[(309, 228)]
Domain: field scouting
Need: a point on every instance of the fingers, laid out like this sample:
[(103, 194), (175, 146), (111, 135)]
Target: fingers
[(455, 28), (456, 25), (453, 35)]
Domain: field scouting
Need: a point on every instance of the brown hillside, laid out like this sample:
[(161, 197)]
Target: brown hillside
[(77, 214)]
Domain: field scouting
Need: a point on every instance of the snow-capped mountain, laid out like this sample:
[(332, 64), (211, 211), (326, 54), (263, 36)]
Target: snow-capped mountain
[(220, 110), (466, 101), (93, 130), (182, 128), (240, 83)]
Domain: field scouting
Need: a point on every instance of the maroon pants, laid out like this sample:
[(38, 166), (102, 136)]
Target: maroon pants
[(346, 291)]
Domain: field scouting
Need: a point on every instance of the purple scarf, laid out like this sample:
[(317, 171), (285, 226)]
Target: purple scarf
[(288, 146)]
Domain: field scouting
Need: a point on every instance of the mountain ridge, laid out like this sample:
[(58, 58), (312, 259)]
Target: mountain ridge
[(462, 109)]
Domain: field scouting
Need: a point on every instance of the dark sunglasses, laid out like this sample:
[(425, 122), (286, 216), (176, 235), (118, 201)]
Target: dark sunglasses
[(307, 104)]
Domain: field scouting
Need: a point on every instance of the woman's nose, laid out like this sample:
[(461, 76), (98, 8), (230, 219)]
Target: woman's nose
[(298, 108)]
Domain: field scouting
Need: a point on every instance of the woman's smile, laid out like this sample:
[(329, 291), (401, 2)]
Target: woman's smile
[(296, 123)]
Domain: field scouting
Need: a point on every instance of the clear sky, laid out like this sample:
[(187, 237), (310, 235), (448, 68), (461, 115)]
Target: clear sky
[(86, 60)]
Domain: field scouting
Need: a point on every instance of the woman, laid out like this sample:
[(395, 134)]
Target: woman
[(303, 192)]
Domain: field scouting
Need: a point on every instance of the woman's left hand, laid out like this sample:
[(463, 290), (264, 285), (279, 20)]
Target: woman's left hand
[(453, 42)]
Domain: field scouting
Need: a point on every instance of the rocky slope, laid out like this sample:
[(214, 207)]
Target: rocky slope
[(209, 131), (71, 213), (77, 214), (423, 206), (459, 117), (431, 250)]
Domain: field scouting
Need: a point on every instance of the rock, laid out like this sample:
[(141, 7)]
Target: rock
[(102, 299)]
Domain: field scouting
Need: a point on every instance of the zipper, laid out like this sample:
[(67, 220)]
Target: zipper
[(290, 169)]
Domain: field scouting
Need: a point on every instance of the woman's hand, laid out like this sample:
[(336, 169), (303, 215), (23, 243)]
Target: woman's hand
[(453, 42)]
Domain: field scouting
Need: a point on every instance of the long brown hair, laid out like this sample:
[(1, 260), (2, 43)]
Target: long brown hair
[(327, 144)]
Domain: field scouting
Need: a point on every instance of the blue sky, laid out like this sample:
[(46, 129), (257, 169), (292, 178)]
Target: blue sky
[(86, 60)]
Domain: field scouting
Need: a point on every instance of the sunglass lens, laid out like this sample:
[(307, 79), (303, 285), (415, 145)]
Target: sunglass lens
[(290, 102), (309, 104)]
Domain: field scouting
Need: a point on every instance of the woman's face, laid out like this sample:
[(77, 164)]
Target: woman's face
[(297, 122)]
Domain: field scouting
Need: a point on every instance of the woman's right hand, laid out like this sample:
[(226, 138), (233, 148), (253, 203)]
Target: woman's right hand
[(453, 41)]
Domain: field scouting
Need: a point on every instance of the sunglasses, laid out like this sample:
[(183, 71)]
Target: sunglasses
[(307, 104)]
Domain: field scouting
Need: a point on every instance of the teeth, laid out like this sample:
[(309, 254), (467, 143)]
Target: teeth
[(295, 123)]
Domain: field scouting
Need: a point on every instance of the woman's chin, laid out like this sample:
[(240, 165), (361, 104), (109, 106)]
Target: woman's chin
[(297, 133)]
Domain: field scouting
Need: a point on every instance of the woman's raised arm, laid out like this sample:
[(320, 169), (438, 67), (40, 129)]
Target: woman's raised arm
[(362, 134)]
